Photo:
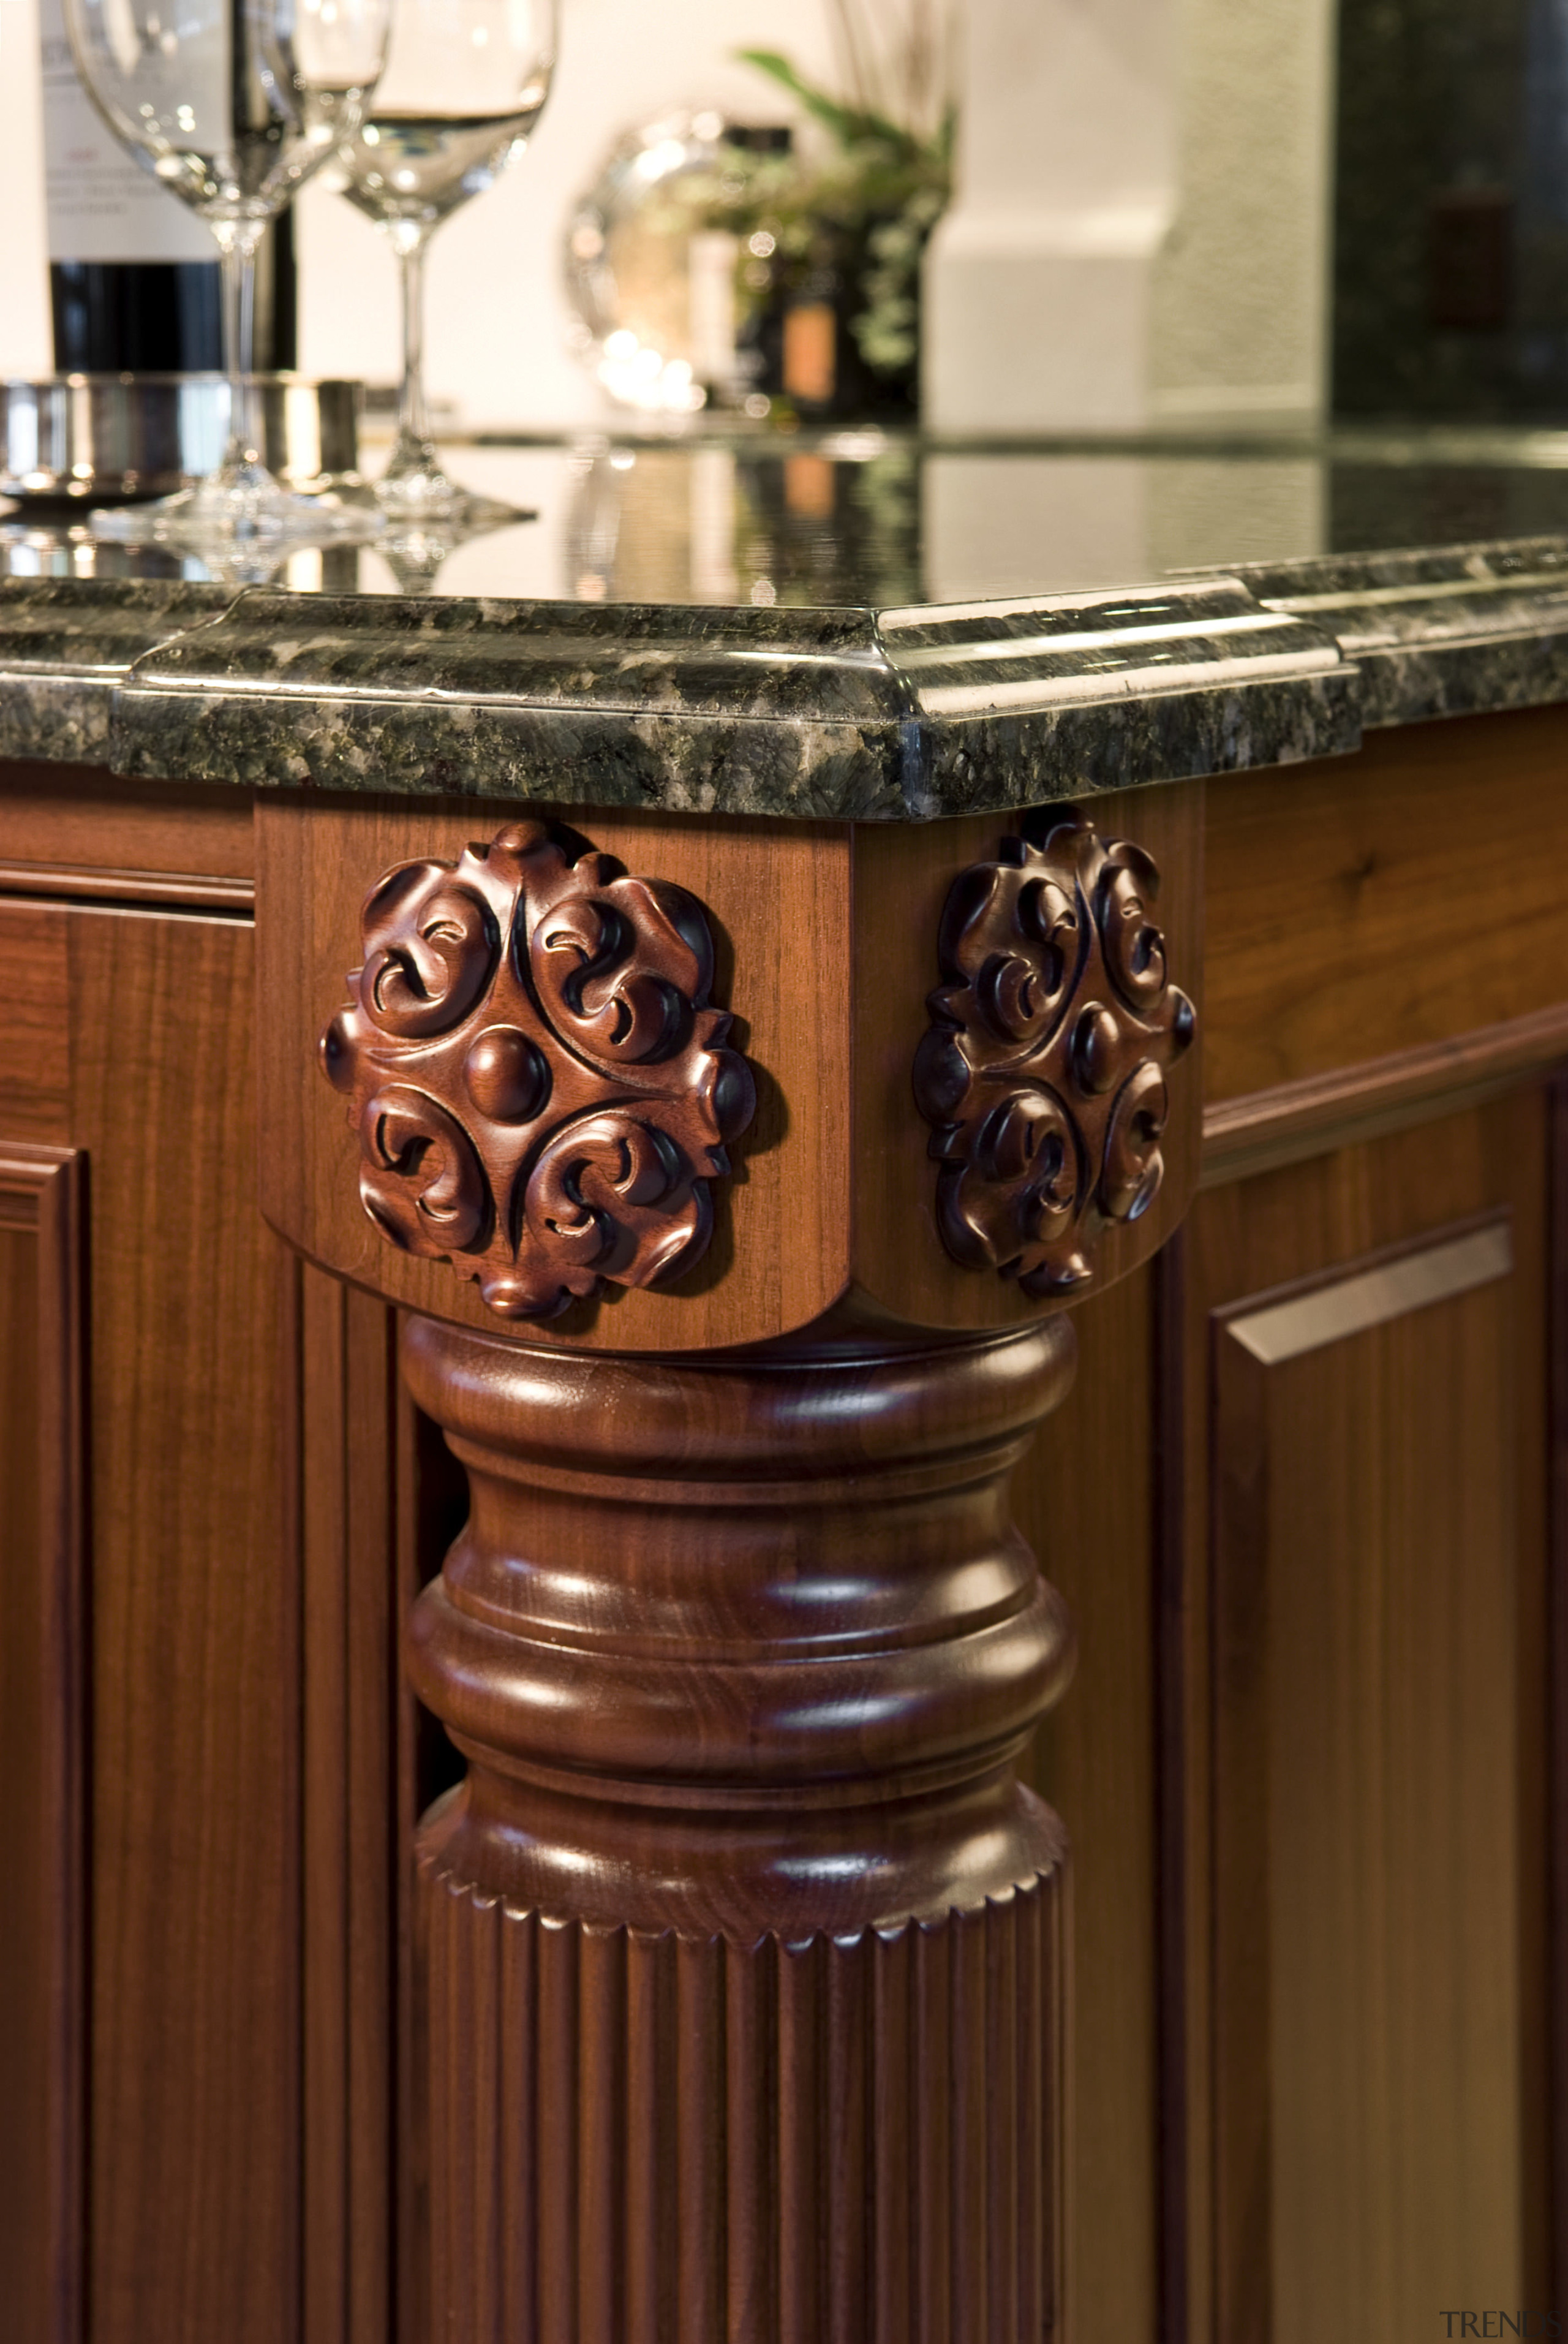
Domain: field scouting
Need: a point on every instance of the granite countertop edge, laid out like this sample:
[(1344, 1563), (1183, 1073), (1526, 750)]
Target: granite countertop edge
[(849, 713)]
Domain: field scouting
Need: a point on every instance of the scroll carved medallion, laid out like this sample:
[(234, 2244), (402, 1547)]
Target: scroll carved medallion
[(540, 1088), (1043, 1071)]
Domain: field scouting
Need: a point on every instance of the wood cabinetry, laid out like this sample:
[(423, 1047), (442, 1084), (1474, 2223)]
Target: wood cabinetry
[(150, 1629), (1364, 1839), (1309, 1758), (1299, 1503)]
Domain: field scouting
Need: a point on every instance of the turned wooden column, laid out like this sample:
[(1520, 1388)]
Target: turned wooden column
[(735, 1179), (743, 1946)]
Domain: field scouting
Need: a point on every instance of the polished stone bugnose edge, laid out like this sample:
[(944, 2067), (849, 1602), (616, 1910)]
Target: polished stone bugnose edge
[(1456, 630), (66, 643), (832, 713), (897, 714)]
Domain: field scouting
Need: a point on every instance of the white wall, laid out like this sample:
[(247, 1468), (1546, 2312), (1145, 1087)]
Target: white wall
[(1039, 280), (1140, 232), (1240, 319), (498, 311), (26, 345)]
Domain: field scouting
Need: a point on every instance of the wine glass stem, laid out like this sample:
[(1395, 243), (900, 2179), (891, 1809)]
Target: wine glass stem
[(237, 241), (413, 450)]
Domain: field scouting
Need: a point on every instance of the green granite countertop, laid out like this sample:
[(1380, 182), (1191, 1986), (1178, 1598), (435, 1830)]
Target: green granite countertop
[(851, 625)]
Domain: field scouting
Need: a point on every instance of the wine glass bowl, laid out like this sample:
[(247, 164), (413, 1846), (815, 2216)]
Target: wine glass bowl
[(167, 89), (465, 83), (410, 172), (232, 104)]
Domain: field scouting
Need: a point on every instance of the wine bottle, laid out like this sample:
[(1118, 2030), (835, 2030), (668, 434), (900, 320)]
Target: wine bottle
[(133, 274)]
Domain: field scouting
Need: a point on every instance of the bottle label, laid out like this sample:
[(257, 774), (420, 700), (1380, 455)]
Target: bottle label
[(102, 205), (811, 353)]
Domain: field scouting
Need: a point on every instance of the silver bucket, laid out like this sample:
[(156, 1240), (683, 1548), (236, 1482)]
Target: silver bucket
[(94, 436)]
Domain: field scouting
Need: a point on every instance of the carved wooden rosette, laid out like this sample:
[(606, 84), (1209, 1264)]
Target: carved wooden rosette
[(539, 1084), (1043, 1071), (742, 1944)]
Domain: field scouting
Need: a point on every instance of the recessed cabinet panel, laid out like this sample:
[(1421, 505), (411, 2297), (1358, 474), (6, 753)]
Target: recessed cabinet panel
[(42, 1744), (1367, 1841), (26, 1930), (194, 2156), (1369, 1672)]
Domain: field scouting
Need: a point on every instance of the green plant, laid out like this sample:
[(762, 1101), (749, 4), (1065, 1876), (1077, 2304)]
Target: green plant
[(864, 211)]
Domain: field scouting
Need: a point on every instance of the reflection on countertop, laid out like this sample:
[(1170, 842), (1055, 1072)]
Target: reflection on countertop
[(851, 627), (868, 518)]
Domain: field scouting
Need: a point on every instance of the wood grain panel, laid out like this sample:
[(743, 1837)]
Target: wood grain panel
[(193, 2177), (432, 1507), (43, 1745), (1095, 1760), (352, 1700), (1369, 2043), (1371, 903), (777, 897), (1555, 1979), (81, 817), (1362, 2094), (378, 1499), (36, 1030)]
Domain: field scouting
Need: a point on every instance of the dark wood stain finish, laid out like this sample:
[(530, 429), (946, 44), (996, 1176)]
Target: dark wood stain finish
[(739, 1643), (1094, 1760), (534, 1070), (903, 876), (376, 1496), (350, 1706), (725, 1989), (35, 1038), (1371, 904), (775, 897), (1264, 1130), (1359, 1726), (1556, 2026), (44, 1703), (1042, 1073), (174, 2031), (195, 1882), (741, 1943), (81, 820)]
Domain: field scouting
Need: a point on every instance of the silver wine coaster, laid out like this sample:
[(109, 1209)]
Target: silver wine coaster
[(89, 438)]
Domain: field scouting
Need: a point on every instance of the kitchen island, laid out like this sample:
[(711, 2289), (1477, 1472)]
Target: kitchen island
[(600, 1166)]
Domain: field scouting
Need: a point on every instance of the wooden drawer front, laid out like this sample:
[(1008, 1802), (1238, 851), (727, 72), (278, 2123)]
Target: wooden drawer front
[(77, 830), (1365, 907), (36, 1027)]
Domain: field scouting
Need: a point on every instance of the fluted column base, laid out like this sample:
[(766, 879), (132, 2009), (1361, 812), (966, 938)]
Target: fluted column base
[(652, 2138)]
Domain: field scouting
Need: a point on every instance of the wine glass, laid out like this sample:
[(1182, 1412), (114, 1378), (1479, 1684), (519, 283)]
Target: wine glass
[(231, 104), (466, 81)]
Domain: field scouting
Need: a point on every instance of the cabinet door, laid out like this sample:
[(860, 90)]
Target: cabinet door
[(1359, 1736), (41, 1741), (150, 1994)]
